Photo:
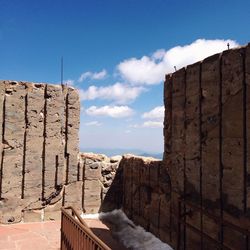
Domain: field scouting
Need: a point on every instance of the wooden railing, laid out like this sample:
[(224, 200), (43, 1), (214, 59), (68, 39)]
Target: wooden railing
[(75, 233)]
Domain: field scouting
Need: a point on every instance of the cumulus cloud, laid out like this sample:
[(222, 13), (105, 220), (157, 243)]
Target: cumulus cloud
[(93, 123), (154, 118), (152, 124), (148, 124), (120, 93), (111, 111), (156, 114), (93, 75), (151, 69)]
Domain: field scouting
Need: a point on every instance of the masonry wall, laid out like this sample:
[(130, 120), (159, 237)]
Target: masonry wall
[(146, 194), (39, 147), (207, 150)]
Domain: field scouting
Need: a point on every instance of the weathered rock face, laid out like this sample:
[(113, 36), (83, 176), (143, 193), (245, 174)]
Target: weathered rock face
[(39, 141)]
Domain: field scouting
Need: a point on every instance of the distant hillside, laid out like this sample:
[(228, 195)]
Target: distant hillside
[(119, 151)]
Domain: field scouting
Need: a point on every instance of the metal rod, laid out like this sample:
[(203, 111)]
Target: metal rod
[(62, 70)]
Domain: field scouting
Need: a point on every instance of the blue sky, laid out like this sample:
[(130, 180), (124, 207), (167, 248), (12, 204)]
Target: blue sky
[(122, 48)]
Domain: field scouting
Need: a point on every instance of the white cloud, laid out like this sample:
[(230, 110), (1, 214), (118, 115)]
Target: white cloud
[(152, 124), (93, 75), (93, 123), (148, 124), (151, 69), (156, 114), (120, 93), (112, 111)]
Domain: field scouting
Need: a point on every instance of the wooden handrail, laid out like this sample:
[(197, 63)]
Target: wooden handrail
[(75, 233)]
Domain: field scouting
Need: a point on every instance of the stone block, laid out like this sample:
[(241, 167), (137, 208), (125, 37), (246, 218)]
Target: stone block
[(32, 216), (13, 139)]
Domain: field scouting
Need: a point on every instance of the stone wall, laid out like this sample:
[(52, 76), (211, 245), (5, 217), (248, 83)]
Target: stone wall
[(102, 182), (39, 146), (207, 150), (146, 194)]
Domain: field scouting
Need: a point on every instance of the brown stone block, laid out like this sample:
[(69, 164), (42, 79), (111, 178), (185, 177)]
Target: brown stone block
[(211, 172), (192, 107), (154, 230), (193, 79), (233, 174), (232, 116), (177, 172), (2, 96), (34, 141), (53, 215), (193, 179), (178, 146), (178, 118), (73, 123), (145, 175), (178, 133), (11, 210), (174, 219), (210, 84), (178, 82), (211, 227), (234, 239), (93, 171), (73, 195), (192, 147), (232, 73), (210, 125), (247, 78), (178, 103), (54, 146), (32, 216), (154, 175), (193, 240), (164, 221), (13, 140)]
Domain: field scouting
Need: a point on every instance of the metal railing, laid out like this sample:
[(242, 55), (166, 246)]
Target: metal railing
[(75, 233)]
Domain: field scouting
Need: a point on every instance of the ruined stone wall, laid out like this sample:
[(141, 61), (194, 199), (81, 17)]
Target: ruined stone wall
[(207, 151), (146, 194), (102, 182), (39, 146)]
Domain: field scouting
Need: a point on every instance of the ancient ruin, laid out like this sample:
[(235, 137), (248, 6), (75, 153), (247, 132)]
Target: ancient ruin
[(197, 197)]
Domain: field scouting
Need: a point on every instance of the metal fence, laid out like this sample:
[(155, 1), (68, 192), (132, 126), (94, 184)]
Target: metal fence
[(75, 233)]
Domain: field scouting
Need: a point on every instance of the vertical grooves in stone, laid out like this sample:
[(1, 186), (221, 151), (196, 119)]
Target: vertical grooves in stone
[(83, 183), (24, 141), (44, 141), (159, 206), (220, 149), (66, 155), (170, 153), (150, 194), (244, 86), (244, 130), (200, 154), (56, 171), (78, 171), (139, 214), (131, 195), (184, 163), (2, 153)]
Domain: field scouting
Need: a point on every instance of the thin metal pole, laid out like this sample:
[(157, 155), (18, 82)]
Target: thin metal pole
[(62, 70)]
